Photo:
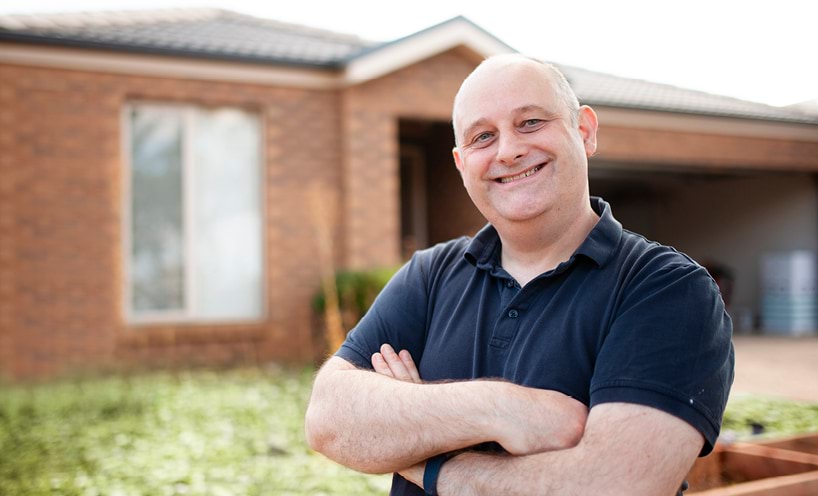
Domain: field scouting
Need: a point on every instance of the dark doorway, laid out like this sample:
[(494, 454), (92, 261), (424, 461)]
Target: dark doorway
[(434, 204)]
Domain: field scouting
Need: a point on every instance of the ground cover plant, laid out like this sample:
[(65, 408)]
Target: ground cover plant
[(236, 432), (195, 433), (750, 416)]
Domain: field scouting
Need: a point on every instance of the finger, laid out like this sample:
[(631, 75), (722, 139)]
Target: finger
[(380, 366), (406, 358), (395, 364)]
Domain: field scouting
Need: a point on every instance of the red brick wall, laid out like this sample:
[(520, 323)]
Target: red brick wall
[(61, 214), (61, 222), (62, 150), (7, 246), (371, 156)]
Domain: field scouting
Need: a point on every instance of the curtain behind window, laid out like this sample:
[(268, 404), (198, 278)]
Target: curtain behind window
[(196, 229)]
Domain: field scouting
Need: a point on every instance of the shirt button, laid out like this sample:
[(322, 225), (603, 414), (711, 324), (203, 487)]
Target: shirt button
[(512, 314), (510, 284)]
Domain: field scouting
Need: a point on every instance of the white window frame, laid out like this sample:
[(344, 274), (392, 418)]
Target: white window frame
[(187, 315)]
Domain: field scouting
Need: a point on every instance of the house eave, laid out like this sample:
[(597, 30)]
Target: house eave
[(642, 118), (167, 65), (390, 57)]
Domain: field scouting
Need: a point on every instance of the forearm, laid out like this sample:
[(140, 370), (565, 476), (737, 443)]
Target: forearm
[(565, 472), (375, 424), (568, 472), (473, 474), (632, 452)]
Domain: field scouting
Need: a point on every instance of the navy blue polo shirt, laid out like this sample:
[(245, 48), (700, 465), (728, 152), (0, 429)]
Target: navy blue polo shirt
[(624, 319)]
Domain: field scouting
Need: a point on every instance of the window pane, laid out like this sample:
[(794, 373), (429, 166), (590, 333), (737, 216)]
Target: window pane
[(227, 214), (157, 264)]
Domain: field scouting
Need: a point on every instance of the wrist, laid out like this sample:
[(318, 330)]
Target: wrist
[(431, 473), (453, 481), (502, 398)]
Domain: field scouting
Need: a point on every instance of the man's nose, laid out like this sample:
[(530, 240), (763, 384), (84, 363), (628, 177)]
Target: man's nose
[(510, 149)]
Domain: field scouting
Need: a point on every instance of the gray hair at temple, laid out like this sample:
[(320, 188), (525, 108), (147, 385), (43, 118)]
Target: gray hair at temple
[(564, 91)]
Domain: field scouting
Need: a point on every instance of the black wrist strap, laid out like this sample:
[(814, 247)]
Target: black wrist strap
[(431, 473)]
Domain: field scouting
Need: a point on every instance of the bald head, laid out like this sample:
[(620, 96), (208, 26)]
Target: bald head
[(486, 73)]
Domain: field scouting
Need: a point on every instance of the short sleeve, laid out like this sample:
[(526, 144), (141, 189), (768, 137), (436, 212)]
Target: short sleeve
[(397, 317), (670, 348)]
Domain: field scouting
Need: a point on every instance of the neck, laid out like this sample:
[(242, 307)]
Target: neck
[(539, 245)]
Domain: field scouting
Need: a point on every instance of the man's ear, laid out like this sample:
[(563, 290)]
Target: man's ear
[(588, 125), (458, 160)]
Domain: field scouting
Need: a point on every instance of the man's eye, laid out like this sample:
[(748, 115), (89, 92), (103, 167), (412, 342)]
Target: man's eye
[(531, 122), (481, 137)]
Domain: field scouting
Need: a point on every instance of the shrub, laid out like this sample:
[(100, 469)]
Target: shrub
[(356, 292)]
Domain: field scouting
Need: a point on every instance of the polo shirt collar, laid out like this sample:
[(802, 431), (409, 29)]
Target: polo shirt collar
[(603, 240), (484, 249)]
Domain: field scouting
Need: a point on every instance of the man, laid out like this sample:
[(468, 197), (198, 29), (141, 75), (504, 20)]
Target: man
[(605, 359)]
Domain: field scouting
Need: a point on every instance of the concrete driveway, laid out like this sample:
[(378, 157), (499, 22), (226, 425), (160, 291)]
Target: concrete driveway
[(785, 367)]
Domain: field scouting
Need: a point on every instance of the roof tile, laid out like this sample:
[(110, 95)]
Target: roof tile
[(202, 32), (596, 88)]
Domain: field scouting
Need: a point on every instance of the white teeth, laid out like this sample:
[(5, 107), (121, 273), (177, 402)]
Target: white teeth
[(520, 176)]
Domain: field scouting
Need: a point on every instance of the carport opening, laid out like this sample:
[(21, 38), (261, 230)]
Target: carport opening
[(726, 220)]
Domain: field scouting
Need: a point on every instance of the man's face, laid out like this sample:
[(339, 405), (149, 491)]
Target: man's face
[(519, 153)]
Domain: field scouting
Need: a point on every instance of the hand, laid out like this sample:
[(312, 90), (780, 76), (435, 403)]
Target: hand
[(400, 366), (396, 365)]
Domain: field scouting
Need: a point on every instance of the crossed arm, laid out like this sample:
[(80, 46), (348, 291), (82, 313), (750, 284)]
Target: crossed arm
[(390, 421)]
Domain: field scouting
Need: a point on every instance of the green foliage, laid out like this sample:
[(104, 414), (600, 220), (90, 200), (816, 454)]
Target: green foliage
[(777, 417), (198, 433), (356, 291)]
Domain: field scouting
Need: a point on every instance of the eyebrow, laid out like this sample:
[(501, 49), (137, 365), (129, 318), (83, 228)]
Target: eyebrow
[(519, 110), (466, 132)]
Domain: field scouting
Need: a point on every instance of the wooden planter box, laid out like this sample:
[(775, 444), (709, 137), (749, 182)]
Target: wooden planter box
[(780, 467)]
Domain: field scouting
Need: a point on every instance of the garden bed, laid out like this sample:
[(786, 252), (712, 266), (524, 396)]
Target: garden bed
[(776, 467)]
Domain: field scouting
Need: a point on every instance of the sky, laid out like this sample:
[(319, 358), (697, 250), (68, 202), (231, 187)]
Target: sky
[(765, 51)]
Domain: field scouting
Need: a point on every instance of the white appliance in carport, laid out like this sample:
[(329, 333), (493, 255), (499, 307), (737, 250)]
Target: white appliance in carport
[(789, 300)]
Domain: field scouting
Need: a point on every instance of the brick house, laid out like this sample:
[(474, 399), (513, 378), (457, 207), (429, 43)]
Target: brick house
[(157, 170)]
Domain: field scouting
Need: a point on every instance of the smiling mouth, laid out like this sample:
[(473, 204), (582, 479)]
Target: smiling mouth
[(522, 175)]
